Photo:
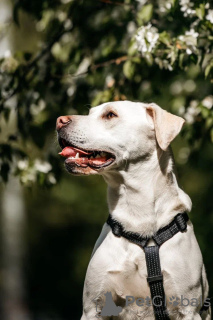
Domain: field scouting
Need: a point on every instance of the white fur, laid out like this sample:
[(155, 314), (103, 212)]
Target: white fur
[(144, 196)]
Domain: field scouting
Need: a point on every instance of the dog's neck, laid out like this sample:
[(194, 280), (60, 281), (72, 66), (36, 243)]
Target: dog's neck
[(145, 196)]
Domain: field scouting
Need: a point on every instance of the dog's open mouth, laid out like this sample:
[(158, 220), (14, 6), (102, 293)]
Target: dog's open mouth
[(95, 159)]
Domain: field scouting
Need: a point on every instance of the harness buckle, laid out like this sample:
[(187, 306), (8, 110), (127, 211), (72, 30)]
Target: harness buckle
[(181, 222), (155, 278)]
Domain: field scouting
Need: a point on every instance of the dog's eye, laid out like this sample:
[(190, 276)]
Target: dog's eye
[(110, 115)]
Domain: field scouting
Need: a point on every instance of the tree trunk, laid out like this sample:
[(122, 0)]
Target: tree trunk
[(13, 223)]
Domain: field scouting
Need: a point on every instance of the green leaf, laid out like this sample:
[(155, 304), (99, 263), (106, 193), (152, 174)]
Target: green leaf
[(165, 38), (194, 58), (204, 112), (181, 59), (129, 69), (136, 60), (200, 12), (132, 50), (209, 122), (145, 14), (208, 68), (102, 97)]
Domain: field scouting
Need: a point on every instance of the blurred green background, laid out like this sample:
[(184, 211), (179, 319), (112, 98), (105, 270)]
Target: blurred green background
[(64, 57)]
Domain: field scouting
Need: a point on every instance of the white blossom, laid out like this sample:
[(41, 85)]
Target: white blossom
[(163, 64), (71, 91), (35, 109), (189, 85), (52, 178), (10, 64), (142, 2), (36, 95), (28, 177), (42, 166), (190, 40), (66, 38), (131, 27), (68, 24), (186, 6), (192, 112), (165, 5), (110, 81), (147, 38), (176, 88), (7, 54), (23, 164), (29, 171), (181, 111), (208, 102), (83, 66), (210, 16), (62, 16)]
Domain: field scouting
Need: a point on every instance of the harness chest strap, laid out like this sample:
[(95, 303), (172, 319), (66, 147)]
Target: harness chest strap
[(155, 277), (155, 280)]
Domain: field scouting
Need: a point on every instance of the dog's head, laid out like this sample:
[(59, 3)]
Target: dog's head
[(114, 133)]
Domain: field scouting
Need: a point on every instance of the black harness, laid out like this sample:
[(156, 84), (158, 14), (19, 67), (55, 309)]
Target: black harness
[(155, 277)]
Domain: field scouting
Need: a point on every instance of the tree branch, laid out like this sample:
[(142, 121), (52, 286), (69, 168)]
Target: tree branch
[(99, 65), (106, 63), (30, 65)]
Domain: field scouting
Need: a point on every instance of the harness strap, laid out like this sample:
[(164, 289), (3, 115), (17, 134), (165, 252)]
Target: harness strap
[(179, 224), (155, 280), (162, 235), (155, 277), (118, 231)]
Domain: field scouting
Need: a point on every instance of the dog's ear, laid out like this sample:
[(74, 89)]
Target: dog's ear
[(166, 125)]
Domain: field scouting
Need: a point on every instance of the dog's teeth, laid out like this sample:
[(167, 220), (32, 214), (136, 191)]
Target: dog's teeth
[(77, 155), (98, 156), (92, 157), (103, 154)]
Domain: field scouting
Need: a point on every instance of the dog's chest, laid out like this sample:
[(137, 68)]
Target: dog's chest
[(121, 266)]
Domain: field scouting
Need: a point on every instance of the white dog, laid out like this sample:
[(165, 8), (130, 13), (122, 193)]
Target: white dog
[(128, 144)]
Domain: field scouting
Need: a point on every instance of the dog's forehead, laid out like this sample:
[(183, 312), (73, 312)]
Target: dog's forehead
[(125, 107)]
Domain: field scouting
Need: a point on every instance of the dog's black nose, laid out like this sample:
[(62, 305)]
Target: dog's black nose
[(63, 121)]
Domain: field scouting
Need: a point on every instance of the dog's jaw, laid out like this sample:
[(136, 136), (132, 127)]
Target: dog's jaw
[(79, 171), (83, 157)]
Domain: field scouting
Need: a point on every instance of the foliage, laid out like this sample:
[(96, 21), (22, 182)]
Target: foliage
[(96, 51)]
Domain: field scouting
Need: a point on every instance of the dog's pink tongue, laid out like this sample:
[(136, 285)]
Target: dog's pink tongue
[(68, 152), (71, 152)]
